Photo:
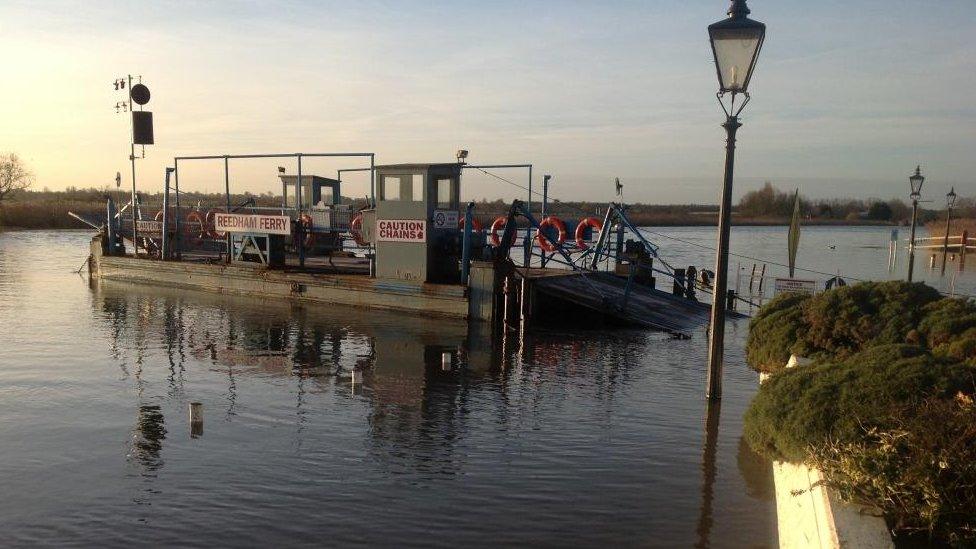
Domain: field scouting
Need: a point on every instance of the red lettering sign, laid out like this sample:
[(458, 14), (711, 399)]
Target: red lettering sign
[(245, 223), (401, 230)]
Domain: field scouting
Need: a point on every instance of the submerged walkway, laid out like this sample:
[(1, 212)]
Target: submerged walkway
[(644, 306)]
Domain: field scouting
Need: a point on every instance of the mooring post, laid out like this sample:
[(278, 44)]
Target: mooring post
[(525, 303), (446, 361), (466, 243), (752, 279), (962, 249), (506, 300), (196, 419), (762, 278), (679, 282), (110, 225), (690, 275)]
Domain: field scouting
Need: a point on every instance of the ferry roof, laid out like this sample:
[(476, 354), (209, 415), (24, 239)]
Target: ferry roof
[(307, 178), (418, 166)]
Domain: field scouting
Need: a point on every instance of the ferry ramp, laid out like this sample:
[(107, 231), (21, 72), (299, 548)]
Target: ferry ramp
[(640, 305)]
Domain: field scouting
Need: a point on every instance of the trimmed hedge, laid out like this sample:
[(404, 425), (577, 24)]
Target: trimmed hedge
[(838, 323), (803, 408), (949, 329), (774, 331), (885, 409)]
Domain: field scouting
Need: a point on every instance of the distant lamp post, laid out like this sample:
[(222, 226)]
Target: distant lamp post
[(915, 181), (736, 41), (950, 202)]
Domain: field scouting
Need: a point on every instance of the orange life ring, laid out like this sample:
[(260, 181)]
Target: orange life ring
[(196, 217), (581, 230), (540, 237), (356, 228), (499, 225), (211, 225), (475, 224), (305, 221), (159, 215)]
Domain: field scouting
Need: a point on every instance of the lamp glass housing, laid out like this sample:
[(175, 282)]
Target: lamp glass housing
[(736, 42), (916, 181), (951, 197)]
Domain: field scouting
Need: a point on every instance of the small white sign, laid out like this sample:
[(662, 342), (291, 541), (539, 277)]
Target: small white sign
[(149, 227), (445, 219), (247, 223), (401, 230), (794, 285)]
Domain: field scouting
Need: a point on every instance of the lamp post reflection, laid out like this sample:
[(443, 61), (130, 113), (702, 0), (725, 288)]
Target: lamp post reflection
[(713, 412)]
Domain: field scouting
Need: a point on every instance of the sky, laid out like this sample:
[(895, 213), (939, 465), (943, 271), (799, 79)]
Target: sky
[(848, 96)]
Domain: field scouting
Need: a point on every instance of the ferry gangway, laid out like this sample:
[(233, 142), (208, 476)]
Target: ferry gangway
[(621, 297)]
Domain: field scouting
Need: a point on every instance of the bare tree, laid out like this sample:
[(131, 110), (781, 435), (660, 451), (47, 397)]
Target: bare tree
[(14, 175)]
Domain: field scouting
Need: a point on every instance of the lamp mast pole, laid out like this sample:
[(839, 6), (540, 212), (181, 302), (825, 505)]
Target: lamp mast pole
[(729, 39)]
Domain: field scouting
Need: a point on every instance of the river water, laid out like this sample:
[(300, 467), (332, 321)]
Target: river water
[(582, 437)]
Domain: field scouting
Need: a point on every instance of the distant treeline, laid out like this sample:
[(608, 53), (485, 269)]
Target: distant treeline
[(773, 203), (47, 209)]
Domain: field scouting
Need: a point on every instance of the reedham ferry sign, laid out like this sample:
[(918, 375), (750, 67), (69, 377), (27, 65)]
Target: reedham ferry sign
[(246, 223), (401, 230)]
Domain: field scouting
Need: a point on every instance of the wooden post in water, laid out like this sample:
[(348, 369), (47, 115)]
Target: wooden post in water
[(525, 303), (196, 419), (962, 250)]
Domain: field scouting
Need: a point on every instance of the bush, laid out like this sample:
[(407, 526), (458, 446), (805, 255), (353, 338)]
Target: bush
[(849, 319), (886, 408), (920, 470), (837, 323), (949, 328), (803, 408), (774, 331)]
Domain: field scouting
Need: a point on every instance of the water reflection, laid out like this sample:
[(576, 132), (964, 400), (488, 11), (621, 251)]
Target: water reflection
[(147, 439), (410, 395), (713, 414), (524, 416)]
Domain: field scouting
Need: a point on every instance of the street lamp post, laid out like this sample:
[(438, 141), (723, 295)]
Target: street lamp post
[(915, 181), (736, 41), (950, 201)]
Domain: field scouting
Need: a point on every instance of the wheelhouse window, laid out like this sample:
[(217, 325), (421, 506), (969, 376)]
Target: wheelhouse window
[(391, 187), (418, 187), (446, 194)]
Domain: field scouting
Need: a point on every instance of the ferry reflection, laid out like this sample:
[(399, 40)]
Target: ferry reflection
[(147, 438), (391, 362)]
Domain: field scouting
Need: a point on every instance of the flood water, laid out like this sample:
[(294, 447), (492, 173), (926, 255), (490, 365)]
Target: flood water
[(581, 437)]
